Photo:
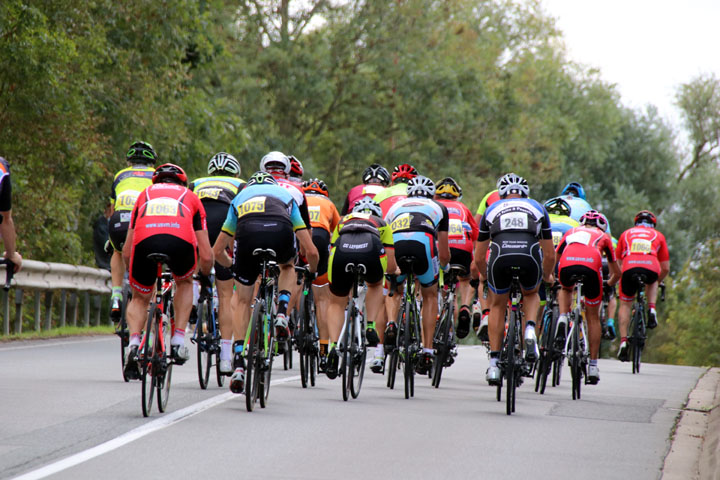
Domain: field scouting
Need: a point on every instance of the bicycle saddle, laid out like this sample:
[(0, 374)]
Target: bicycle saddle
[(158, 257)]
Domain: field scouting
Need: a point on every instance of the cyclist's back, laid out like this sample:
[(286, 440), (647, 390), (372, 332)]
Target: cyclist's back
[(375, 179)]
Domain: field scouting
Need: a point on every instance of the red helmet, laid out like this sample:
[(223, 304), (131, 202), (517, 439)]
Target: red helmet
[(296, 168), (645, 216), (169, 173), (404, 171), (315, 186), (594, 218)]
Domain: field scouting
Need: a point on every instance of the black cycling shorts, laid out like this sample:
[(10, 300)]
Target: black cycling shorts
[(143, 272), (321, 239), (592, 282), (629, 287), (520, 250), (118, 225), (358, 248), (216, 213), (276, 234), (461, 257)]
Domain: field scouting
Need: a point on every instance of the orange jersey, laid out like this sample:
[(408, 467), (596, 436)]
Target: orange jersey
[(323, 213)]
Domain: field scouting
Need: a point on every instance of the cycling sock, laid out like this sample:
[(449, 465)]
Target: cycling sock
[(225, 349), (323, 347), (530, 324), (652, 306), (283, 300), (428, 350), (238, 356), (134, 340), (178, 337), (116, 292), (494, 357), (593, 363), (486, 312), (332, 345), (380, 351), (623, 339)]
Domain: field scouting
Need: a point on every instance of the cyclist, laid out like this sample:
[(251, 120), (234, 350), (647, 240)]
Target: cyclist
[(420, 229), (279, 166), (462, 234), (324, 218), (375, 178), (574, 195), (263, 215), (516, 231), (216, 192), (481, 308), (361, 237), (641, 250), (400, 177), (609, 331), (296, 170), (127, 185), (7, 225), (580, 254), (167, 218), (560, 221)]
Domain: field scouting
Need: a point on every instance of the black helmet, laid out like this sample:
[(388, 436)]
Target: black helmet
[(141, 152), (376, 172)]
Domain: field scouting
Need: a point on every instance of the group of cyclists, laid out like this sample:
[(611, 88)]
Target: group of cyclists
[(220, 220)]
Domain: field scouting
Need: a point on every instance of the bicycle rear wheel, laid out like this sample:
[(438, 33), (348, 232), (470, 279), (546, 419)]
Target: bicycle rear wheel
[(252, 345), (123, 332), (391, 367), (637, 340), (148, 352), (408, 368), (346, 370), (575, 360), (164, 376), (510, 366), (203, 343), (358, 357), (443, 345), (266, 366)]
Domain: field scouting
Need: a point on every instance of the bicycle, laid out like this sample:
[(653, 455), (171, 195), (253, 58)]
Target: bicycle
[(155, 361), (9, 272), (260, 341), (207, 338), (551, 354), (352, 338), (444, 338), (576, 346), (512, 363), (306, 333), (122, 328)]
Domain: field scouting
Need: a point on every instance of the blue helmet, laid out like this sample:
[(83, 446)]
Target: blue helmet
[(574, 186)]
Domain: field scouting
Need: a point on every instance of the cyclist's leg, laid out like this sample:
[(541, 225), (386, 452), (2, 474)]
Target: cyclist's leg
[(118, 224), (225, 315), (592, 290)]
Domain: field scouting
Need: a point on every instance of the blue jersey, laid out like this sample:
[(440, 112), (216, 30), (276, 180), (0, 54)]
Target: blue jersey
[(578, 206), (260, 202), (418, 214), (515, 215)]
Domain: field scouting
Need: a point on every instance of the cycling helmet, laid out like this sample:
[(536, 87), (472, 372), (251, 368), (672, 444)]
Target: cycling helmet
[(511, 183), (574, 186), (296, 167), (448, 188), (224, 163), (403, 173), (367, 205), (169, 173), (275, 161), (421, 187), (315, 186), (594, 218), (376, 172), (141, 152), (558, 206), (261, 178), (645, 216)]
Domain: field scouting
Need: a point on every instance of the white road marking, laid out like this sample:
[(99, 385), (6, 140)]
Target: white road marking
[(41, 344), (139, 432)]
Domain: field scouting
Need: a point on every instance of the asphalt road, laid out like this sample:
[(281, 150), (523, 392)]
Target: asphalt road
[(66, 413)]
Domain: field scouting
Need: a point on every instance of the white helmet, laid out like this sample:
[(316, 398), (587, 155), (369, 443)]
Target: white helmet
[(420, 187), (275, 161), (223, 163), (511, 183)]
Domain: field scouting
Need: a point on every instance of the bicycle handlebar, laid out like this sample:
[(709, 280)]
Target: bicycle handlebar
[(9, 272)]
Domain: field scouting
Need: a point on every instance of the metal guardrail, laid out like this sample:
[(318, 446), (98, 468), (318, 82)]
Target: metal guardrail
[(47, 277)]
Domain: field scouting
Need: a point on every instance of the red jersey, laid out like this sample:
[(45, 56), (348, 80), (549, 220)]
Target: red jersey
[(644, 247), (358, 192), (167, 208), (462, 230), (585, 246)]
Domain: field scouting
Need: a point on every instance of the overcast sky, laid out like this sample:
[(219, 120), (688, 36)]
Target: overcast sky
[(646, 47)]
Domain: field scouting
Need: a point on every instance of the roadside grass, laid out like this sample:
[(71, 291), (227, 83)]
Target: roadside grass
[(59, 332)]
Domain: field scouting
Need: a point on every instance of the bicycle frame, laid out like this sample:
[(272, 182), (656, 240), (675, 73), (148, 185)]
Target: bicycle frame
[(576, 348), (511, 362), (443, 337), (351, 343), (638, 324)]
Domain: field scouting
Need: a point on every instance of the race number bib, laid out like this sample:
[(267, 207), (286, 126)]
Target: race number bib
[(212, 193), (314, 213), (557, 236), (641, 246), (579, 237), (162, 207), (127, 199), (125, 217), (514, 221), (254, 205), (456, 229), (372, 189), (401, 223)]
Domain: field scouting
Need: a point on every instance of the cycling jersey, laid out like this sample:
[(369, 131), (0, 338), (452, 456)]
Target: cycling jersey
[(515, 215), (488, 199), (390, 196), (580, 253), (642, 246), (5, 187), (323, 213), (263, 202), (127, 185), (560, 224), (358, 192), (218, 188), (462, 229), (298, 195), (578, 206), (418, 214)]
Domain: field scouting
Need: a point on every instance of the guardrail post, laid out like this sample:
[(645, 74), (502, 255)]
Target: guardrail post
[(6, 312), (97, 303), (74, 308), (37, 312), (63, 307), (86, 312), (18, 310), (48, 309)]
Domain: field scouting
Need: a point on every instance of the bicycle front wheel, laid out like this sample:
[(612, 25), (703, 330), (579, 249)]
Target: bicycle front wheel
[(575, 353), (252, 347), (408, 367), (346, 369), (510, 366), (358, 357), (164, 376), (147, 354), (203, 341), (443, 345)]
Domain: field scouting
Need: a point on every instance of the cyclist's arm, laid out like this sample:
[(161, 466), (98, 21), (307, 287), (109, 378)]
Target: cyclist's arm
[(614, 273), (664, 270), (205, 252), (308, 248), (219, 250), (548, 259), (443, 248), (127, 248), (481, 248)]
